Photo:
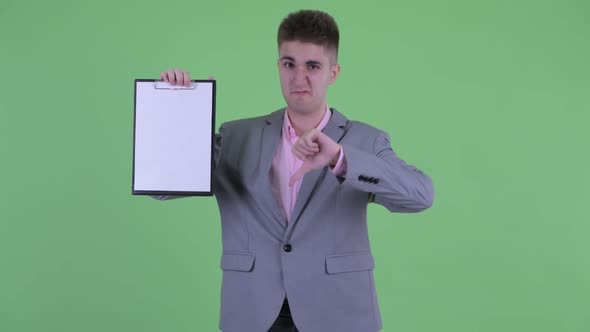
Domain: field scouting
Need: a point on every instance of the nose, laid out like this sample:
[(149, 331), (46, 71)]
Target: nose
[(299, 76)]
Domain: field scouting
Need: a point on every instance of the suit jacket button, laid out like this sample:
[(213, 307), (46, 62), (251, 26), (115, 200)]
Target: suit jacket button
[(287, 247)]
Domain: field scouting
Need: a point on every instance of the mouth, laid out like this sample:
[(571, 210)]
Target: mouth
[(300, 92)]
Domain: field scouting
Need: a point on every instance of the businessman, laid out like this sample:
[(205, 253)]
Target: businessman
[(293, 188)]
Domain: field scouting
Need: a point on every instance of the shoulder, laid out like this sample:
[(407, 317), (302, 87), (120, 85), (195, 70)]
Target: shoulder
[(251, 123), (364, 135), (364, 127), (243, 123), (356, 127)]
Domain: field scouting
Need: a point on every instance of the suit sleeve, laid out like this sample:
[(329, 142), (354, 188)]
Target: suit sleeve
[(389, 180), (216, 157)]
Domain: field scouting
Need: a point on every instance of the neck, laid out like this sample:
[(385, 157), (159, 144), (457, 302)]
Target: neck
[(304, 121)]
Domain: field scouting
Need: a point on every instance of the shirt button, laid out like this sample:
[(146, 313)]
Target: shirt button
[(287, 247)]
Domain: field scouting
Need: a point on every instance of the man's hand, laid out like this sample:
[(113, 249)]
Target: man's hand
[(316, 150), (177, 76)]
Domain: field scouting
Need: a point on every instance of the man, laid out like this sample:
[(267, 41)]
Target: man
[(293, 188)]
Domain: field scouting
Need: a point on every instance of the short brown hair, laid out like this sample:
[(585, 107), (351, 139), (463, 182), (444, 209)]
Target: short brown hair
[(310, 26)]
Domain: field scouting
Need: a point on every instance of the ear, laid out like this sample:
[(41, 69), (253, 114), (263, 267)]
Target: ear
[(334, 71)]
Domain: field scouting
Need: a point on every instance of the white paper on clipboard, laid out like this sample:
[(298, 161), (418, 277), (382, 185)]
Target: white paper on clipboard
[(173, 138)]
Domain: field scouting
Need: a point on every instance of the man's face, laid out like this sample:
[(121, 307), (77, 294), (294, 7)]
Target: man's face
[(305, 70)]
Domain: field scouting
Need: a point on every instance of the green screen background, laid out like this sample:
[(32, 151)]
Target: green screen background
[(490, 98)]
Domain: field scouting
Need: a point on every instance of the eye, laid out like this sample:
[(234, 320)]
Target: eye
[(288, 64), (313, 67)]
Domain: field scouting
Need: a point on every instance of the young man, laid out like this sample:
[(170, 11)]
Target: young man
[(293, 188)]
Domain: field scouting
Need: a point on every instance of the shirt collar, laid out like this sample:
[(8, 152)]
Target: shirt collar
[(287, 128)]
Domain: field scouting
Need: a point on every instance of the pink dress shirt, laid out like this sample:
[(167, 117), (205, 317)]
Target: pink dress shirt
[(285, 164)]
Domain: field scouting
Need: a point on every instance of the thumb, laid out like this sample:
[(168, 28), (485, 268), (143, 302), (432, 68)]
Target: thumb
[(298, 175)]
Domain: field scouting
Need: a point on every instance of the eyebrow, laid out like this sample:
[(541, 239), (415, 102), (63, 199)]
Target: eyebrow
[(309, 62)]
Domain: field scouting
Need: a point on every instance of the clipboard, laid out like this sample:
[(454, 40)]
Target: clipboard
[(173, 138)]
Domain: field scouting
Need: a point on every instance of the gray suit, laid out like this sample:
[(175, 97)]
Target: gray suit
[(322, 259)]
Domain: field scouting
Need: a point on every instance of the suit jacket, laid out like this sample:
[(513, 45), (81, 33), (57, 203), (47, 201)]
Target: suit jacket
[(321, 260)]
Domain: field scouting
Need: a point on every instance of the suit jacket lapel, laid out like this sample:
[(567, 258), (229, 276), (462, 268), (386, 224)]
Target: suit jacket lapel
[(335, 130), (271, 134)]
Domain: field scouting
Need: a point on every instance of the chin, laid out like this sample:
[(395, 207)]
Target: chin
[(299, 107)]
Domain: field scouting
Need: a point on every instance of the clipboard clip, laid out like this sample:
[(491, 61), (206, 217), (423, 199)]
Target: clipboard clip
[(163, 85)]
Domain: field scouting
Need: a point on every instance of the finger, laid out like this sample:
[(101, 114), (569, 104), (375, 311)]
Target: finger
[(303, 141), (211, 78), (179, 76), (164, 76), (309, 142), (187, 78), (171, 78), (299, 154), (313, 149), (304, 151)]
